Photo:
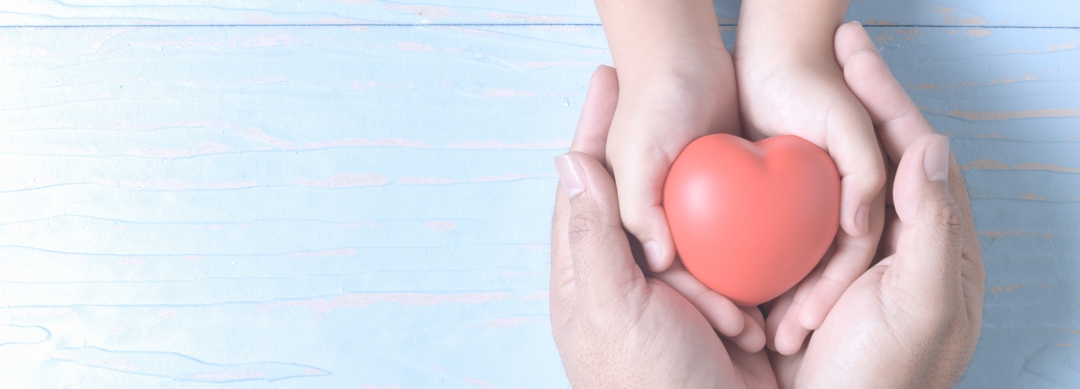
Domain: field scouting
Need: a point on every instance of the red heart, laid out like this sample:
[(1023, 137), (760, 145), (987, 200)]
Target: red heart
[(752, 219)]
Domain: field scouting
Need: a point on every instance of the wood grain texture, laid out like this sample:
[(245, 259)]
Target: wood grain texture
[(997, 13), (261, 202)]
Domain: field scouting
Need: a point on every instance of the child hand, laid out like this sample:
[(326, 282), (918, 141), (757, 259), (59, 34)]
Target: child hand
[(676, 84), (793, 86)]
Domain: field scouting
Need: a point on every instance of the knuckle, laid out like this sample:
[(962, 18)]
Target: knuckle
[(846, 248), (634, 221), (583, 223), (633, 217), (956, 181), (950, 219), (875, 178)]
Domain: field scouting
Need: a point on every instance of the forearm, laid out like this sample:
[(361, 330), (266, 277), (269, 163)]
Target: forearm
[(651, 38), (796, 26)]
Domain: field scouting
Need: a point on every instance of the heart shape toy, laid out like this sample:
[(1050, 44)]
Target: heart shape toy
[(750, 220)]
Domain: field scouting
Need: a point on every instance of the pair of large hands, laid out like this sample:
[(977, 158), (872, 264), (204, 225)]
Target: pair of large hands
[(912, 319)]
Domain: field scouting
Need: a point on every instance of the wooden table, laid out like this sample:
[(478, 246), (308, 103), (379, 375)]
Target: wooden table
[(357, 193)]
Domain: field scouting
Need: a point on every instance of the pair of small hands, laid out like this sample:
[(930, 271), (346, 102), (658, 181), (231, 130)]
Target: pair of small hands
[(781, 91), (911, 320)]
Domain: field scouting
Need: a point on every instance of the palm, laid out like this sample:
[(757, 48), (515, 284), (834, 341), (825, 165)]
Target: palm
[(691, 337), (853, 328), (874, 315), (671, 334), (813, 102)]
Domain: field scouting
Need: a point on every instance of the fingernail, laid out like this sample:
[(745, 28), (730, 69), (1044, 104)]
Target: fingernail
[(936, 160), (571, 174), (857, 22), (862, 218), (653, 255)]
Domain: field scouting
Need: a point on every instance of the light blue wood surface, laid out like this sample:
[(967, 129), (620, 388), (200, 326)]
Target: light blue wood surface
[(286, 194)]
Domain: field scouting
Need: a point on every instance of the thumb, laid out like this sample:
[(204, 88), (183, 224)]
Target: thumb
[(640, 177), (853, 144), (603, 264), (928, 252)]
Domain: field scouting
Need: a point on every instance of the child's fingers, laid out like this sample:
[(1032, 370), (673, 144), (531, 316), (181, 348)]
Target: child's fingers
[(854, 147), (752, 337), (849, 261), (639, 177), (789, 334), (721, 313), (777, 311), (754, 313)]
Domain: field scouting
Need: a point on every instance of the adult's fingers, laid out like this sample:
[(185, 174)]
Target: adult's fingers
[(604, 267), (640, 174), (898, 121), (871, 174), (589, 138), (561, 283), (850, 260), (854, 147), (900, 125), (928, 252), (849, 37)]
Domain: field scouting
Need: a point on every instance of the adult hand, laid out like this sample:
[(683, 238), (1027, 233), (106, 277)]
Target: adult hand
[(913, 319), (790, 84), (614, 326)]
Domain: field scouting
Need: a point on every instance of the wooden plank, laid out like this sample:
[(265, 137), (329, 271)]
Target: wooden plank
[(347, 206), (1053, 13), (1056, 13), (270, 201), (249, 12)]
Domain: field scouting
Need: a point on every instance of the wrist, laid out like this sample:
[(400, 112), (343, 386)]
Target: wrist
[(698, 56), (660, 39), (802, 28), (767, 59), (691, 70), (684, 100)]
